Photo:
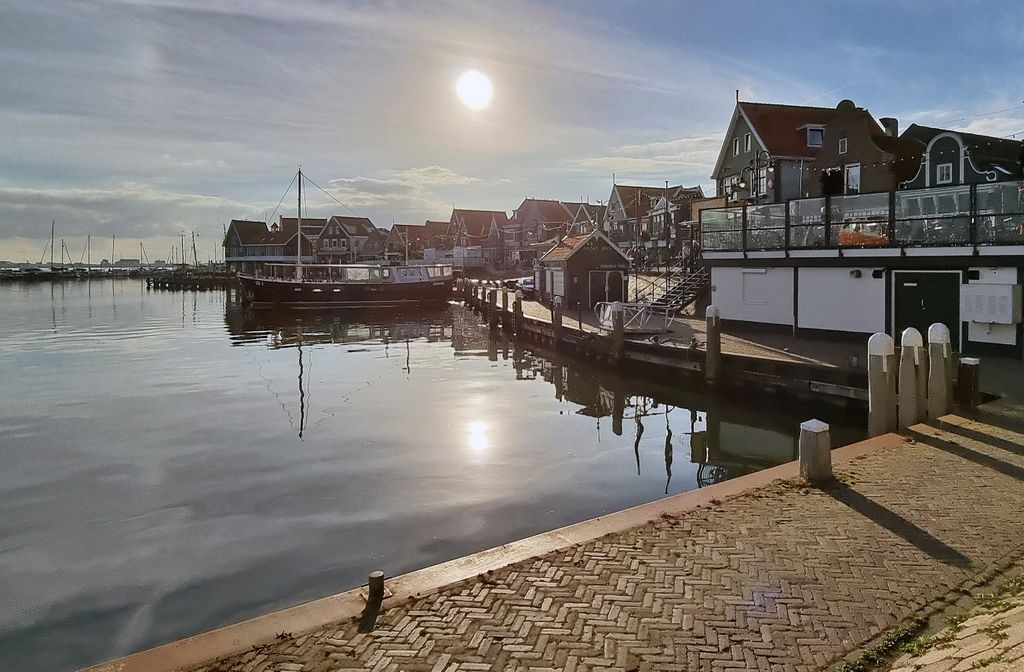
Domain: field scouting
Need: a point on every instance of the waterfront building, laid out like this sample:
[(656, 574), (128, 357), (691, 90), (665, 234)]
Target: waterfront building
[(410, 240), (626, 217), (767, 150), (535, 221), (476, 229), (955, 157), (586, 218), (876, 262), (583, 270), (250, 244), (342, 239)]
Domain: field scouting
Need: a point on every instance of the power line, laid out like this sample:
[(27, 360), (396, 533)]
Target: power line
[(332, 197), (983, 114)]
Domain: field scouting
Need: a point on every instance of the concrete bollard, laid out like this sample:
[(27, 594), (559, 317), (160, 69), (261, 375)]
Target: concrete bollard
[(492, 309), (940, 399), (881, 385), (815, 452), (556, 320), (517, 313), (912, 381), (969, 382), (713, 349), (618, 332)]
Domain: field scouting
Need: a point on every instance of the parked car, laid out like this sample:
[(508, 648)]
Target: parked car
[(527, 286)]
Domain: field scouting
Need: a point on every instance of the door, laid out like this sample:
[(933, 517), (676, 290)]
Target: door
[(922, 299), (597, 287), (614, 286)]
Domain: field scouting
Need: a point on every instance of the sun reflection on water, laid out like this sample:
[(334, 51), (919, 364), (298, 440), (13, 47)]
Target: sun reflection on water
[(478, 436)]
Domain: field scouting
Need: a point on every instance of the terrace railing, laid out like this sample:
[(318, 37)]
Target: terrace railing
[(955, 215)]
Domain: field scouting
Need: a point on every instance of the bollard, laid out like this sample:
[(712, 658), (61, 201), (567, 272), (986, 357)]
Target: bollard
[(492, 309), (815, 452), (618, 332), (969, 382), (504, 309), (911, 381), (556, 320), (939, 355), (374, 597), (713, 349), (881, 385), (517, 313)]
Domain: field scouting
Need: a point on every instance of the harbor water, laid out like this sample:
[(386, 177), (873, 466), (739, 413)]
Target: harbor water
[(173, 462)]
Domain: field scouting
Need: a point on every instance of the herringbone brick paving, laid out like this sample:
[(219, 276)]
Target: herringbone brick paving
[(785, 578)]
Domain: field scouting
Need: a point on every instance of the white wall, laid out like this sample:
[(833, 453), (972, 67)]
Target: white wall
[(753, 294), (832, 299)]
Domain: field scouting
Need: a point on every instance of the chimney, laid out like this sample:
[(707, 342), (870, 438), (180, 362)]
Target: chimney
[(891, 126)]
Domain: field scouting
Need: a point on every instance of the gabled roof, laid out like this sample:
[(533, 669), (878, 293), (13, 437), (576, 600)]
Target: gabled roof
[(258, 233), (780, 129), (570, 245), (249, 232), (311, 226), (636, 201), (353, 226), (436, 228), (986, 152), (478, 222)]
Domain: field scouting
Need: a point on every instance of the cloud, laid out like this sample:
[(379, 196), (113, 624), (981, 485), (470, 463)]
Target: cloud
[(687, 157)]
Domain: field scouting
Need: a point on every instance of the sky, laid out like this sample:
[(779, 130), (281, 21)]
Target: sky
[(144, 119)]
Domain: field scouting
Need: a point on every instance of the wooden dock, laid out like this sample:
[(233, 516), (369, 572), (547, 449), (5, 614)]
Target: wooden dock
[(198, 283), (744, 363)]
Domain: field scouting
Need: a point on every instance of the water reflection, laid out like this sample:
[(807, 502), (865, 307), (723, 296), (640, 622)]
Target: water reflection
[(721, 440)]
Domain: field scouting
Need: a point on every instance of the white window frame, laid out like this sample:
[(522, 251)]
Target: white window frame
[(821, 137), (746, 142), (736, 146), (948, 167), (843, 145), (846, 179)]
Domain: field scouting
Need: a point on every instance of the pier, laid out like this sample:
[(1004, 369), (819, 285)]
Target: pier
[(199, 283), (763, 572), (802, 368)]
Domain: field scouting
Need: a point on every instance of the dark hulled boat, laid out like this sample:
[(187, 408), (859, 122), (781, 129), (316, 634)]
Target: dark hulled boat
[(348, 285)]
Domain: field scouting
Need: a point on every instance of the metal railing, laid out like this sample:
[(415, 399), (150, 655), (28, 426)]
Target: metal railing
[(635, 316), (956, 215)]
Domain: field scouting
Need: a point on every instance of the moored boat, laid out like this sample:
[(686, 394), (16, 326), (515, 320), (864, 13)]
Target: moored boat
[(348, 285)]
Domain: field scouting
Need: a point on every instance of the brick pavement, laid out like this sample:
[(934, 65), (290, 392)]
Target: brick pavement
[(783, 578)]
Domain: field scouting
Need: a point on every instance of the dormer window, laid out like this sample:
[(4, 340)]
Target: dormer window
[(842, 145), (815, 136)]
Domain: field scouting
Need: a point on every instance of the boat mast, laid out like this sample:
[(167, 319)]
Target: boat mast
[(195, 255), (298, 233), (88, 248), (113, 242), (53, 224)]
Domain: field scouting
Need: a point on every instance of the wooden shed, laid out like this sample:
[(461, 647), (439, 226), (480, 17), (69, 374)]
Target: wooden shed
[(583, 270)]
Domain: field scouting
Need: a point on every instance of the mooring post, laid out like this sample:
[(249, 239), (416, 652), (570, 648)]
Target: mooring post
[(374, 597), (618, 332), (881, 385), (492, 309), (969, 382), (556, 320), (517, 313), (504, 308), (939, 398), (713, 349), (815, 452), (911, 390)]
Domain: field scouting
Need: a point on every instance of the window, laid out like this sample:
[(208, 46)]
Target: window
[(735, 146), (814, 136), (746, 142), (944, 173), (853, 179), (762, 181), (842, 145)]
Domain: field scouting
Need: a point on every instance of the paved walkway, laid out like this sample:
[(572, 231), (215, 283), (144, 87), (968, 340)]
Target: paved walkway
[(783, 578), (988, 637)]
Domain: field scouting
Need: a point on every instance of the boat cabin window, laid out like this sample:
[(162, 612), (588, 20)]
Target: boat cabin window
[(411, 273), (357, 274)]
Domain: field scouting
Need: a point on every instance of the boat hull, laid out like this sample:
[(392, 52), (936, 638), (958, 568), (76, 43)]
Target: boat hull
[(344, 294)]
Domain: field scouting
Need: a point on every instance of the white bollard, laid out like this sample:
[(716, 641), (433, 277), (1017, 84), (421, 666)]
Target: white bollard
[(940, 398), (881, 385), (911, 396), (815, 451)]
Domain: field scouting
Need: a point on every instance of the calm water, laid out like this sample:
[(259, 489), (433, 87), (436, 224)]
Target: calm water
[(172, 463)]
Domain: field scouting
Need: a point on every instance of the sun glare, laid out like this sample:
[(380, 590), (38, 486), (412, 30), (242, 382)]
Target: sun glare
[(474, 90)]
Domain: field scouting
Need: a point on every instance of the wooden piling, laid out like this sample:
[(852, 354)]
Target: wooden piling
[(969, 382), (504, 308), (492, 309), (556, 320), (713, 349), (618, 333), (517, 314)]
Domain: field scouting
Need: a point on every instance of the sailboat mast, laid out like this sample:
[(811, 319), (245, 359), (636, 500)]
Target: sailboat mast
[(53, 224), (298, 233), (88, 247), (195, 255), (113, 242)]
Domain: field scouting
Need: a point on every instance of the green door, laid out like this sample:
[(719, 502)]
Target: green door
[(922, 299)]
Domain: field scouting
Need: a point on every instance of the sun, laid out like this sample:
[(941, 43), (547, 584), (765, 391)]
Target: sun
[(474, 89)]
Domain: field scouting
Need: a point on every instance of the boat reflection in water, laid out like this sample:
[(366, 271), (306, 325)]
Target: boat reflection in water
[(721, 438)]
